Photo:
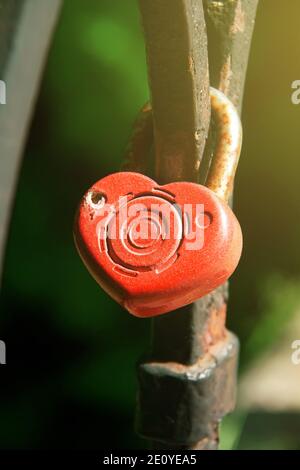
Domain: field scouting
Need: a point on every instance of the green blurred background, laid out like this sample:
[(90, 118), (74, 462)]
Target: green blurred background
[(71, 350)]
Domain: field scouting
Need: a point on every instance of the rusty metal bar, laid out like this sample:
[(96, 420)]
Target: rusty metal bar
[(178, 72), (177, 59), (176, 48), (26, 28), (180, 368), (230, 27)]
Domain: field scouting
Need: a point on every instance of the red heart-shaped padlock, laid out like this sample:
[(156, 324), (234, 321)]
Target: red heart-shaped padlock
[(156, 248)]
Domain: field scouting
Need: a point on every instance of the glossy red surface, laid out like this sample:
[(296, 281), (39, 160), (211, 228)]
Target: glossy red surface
[(156, 248)]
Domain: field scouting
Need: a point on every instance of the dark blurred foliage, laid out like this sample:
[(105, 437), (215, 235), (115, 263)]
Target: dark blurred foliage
[(71, 350)]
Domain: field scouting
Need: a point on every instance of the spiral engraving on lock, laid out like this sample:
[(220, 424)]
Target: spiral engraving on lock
[(143, 233)]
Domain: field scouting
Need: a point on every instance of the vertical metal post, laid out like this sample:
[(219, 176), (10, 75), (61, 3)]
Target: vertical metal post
[(26, 28), (187, 382)]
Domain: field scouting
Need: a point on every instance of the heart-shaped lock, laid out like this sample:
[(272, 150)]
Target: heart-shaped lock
[(156, 248)]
